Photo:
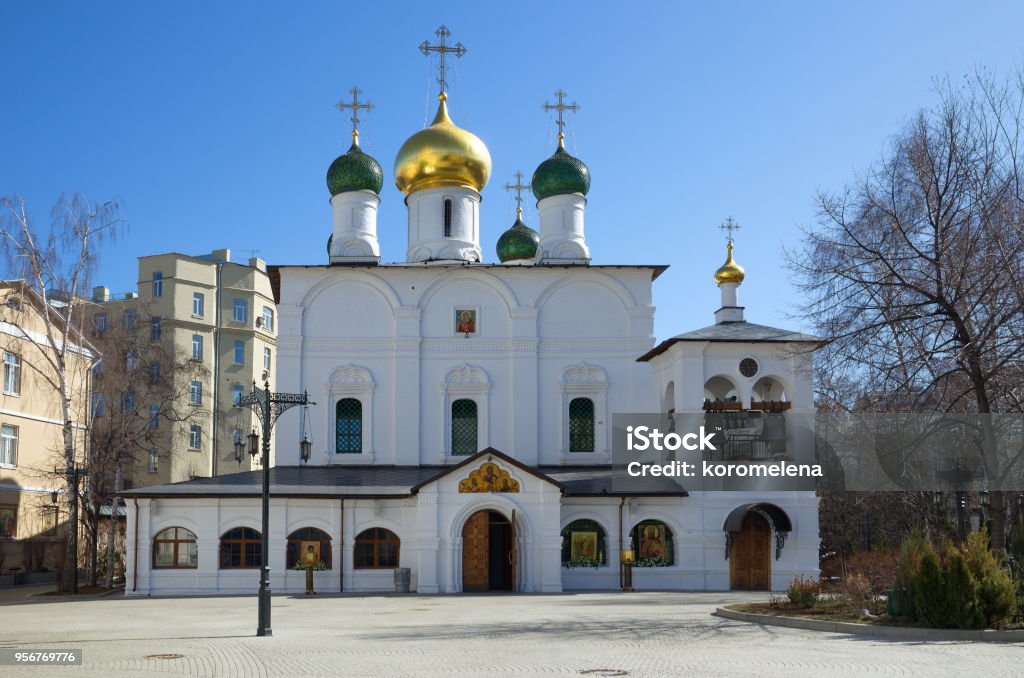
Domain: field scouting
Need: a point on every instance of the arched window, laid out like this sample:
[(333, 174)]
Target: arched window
[(652, 544), (583, 544), (447, 217), (581, 425), (349, 426), (240, 548), (175, 549), (464, 427), (299, 542), (376, 548)]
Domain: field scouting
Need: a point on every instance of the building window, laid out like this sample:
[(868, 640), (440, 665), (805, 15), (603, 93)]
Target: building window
[(9, 521), (581, 425), (299, 542), (240, 310), (154, 372), (154, 416), (129, 318), (128, 402), (12, 374), (158, 284), (236, 393), (447, 217), (195, 393), (464, 427), (197, 347), (9, 445), (175, 548), (349, 438), (99, 404), (268, 318), (583, 544), (198, 303), (239, 352), (376, 548), (652, 544), (131, 360), (99, 322), (195, 437), (241, 548), (154, 330), (266, 358), (154, 460)]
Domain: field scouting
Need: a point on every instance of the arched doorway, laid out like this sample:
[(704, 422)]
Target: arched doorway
[(750, 564), (488, 552)]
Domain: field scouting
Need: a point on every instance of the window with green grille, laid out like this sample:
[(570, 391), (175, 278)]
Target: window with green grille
[(349, 422), (581, 425), (464, 427)]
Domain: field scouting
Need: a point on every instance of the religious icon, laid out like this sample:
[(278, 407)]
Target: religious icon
[(310, 551), (652, 541), (583, 545), (465, 321), (8, 521)]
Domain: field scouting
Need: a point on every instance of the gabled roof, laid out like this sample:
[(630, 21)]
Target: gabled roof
[(737, 332), (489, 452)]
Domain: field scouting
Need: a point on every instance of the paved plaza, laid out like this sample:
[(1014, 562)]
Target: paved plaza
[(573, 634)]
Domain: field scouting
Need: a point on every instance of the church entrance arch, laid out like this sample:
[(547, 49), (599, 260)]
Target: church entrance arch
[(750, 566), (488, 552)]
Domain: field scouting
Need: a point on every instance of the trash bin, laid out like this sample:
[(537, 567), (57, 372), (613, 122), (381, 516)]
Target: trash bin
[(403, 575)]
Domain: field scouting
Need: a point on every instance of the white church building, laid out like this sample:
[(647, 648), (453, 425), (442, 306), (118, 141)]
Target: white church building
[(463, 429)]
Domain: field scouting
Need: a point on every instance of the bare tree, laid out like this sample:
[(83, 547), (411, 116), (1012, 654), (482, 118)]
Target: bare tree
[(57, 262), (914, 272)]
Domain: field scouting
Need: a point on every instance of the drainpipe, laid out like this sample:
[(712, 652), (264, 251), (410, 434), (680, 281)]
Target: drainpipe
[(135, 556), (622, 500), (341, 550)]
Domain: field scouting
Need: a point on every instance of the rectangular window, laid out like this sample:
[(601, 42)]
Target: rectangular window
[(240, 311), (154, 416), (464, 427), (9, 445), (99, 404), (154, 460), (154, 372), (236, 391), (158, 284), (266, 358), (239, 352), (12, 373), (195, 393), (268, 318), (195, 437), (129, 318), (198, 303), (155, 330), (131, 360), (197, 347), (349, 426), (99, 321), (128, 402)]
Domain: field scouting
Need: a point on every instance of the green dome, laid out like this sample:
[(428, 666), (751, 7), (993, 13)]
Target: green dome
[(354, 171), (518, 242), (559, 174)]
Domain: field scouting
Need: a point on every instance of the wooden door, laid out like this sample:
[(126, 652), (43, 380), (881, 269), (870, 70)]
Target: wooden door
[(750, 563), (475, 547)]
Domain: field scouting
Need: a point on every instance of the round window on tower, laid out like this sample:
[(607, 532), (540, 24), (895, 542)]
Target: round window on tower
[(748, 367)]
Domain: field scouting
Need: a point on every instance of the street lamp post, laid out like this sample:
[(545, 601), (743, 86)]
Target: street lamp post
[(268, 407)]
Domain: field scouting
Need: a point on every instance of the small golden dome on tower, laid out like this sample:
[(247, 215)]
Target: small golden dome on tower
[(730, 271), (442, 154)]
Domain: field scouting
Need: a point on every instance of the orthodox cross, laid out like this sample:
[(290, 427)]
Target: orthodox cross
[(442, 48), (518, 187), (729, 226), (561, 107), (355, 106)]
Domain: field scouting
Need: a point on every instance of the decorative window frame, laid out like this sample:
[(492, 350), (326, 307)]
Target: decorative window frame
[(350, 381), (465, 382), (585, 381)]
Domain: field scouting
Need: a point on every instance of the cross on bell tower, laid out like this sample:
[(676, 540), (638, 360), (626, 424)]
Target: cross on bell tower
[(561, 107), (443, 49), (730, 227), (518, 187), (355, 106)]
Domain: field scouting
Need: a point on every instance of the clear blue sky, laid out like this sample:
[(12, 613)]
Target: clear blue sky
[(215, 123)]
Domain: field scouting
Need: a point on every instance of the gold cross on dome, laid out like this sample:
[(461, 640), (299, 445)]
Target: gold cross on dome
[(518, 187), (355, 106), (561, 107), (729, 226), (443, 49)]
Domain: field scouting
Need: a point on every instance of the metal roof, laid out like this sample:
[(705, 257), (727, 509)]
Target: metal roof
[(740, 332)]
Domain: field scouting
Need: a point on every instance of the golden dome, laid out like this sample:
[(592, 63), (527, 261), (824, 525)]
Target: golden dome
[(442, 155), (730, 271)]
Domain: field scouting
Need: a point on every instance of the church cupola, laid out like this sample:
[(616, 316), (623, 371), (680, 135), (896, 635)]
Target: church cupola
[(560, 185), (728, 277), (354, 180), (442, 169), (518, 245)]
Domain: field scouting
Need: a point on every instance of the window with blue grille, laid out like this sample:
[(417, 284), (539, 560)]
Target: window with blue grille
[(349, 424), (581, 425), (464, 427)]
